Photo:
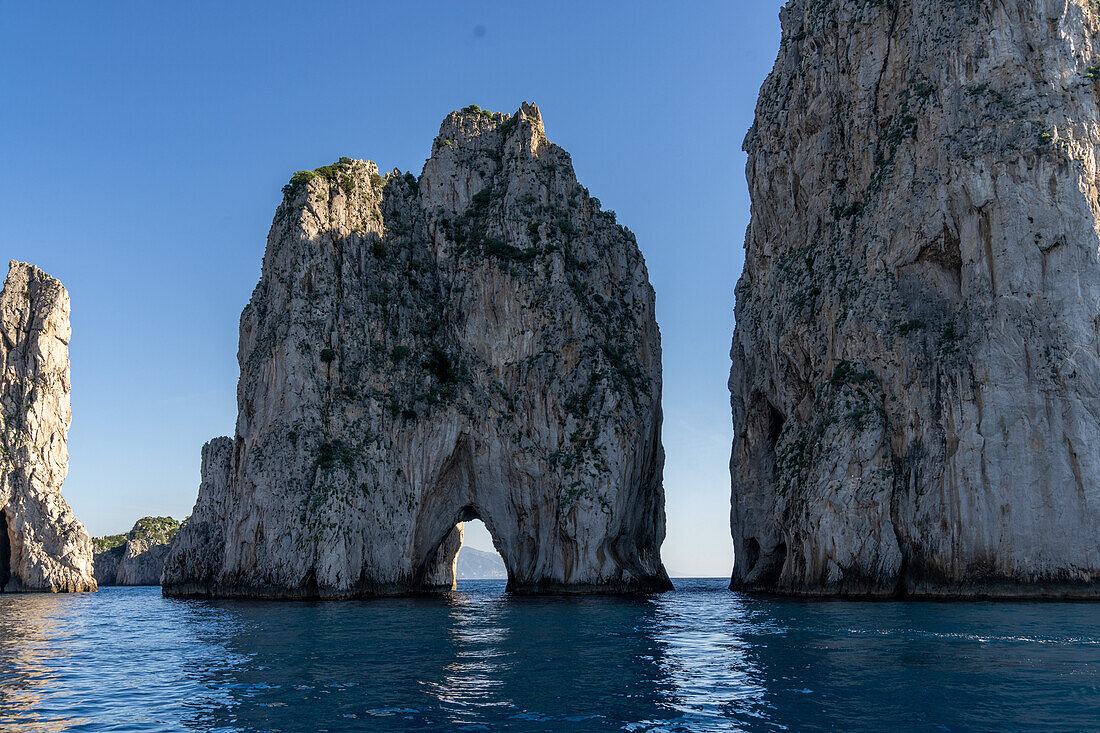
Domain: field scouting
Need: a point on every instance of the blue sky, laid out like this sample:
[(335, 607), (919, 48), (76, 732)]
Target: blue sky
[(144, 146)]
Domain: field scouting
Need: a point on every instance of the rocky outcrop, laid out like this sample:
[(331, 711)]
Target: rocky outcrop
[(476, 342), (42, 545), (136, 558), (916, 357)]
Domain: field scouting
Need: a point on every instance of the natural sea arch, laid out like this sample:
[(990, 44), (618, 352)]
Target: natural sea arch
[(536, 540), (441, 566), (479, 341), (466, 491)]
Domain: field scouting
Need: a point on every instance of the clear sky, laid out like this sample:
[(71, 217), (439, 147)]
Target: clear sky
[(144, 146)]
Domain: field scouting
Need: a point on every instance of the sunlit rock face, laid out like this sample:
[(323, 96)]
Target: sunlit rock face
[(915, 363), (476, 343), (42, 545)]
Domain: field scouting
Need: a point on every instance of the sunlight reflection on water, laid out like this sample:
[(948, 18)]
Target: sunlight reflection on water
[(697, 659)]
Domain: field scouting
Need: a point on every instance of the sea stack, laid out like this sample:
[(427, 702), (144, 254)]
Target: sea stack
[(42, 545), (916, 362), (478, 342)]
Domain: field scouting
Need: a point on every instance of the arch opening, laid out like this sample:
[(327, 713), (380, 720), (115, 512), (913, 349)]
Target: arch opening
[(5, 551), (478, 558), (459, 559)]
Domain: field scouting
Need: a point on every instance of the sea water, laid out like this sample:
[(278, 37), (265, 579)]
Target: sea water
[(696, 659)]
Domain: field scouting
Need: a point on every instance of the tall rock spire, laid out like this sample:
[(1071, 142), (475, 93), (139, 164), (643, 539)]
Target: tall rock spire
[(42, 545)]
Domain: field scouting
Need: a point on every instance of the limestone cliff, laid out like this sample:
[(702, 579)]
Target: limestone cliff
[(135, 558), (476, 342), (42, 545), (917, 349)]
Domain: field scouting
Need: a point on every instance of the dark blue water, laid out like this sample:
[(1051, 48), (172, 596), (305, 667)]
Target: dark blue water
[(698, 659)]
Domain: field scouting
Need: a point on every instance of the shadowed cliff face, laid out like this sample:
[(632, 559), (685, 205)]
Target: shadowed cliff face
[(476, 343), (44, 547), (915, 363)]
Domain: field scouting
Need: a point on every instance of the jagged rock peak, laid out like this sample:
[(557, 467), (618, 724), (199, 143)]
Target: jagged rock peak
[(917, 351), (478, 341), (42, 545)]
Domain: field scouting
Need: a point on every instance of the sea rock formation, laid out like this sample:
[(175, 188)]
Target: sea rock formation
[(478, 342), (916, 359), (135, 558), (42, 545)]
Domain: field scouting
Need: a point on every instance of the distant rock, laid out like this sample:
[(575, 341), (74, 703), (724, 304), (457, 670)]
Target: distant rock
[(479, 342), (146, 550), (42, 545), (136, 558), (108, 553), (916, 363), (480, 565)]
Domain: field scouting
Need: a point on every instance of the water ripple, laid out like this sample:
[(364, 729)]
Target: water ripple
[(698, 659)]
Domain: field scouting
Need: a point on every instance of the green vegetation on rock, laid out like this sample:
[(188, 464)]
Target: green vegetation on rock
[(297, 181), (338, 173), (473, 109), (155, 530), (151, 530), (110, 542)]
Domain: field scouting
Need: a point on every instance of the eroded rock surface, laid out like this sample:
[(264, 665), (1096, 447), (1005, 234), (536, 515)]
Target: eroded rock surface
[(478, 342), (42, 545), (136, 558), (916, 363)]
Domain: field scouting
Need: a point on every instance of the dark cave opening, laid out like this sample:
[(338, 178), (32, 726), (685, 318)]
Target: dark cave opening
[(752, 554), (5, 551), (776, 422)]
